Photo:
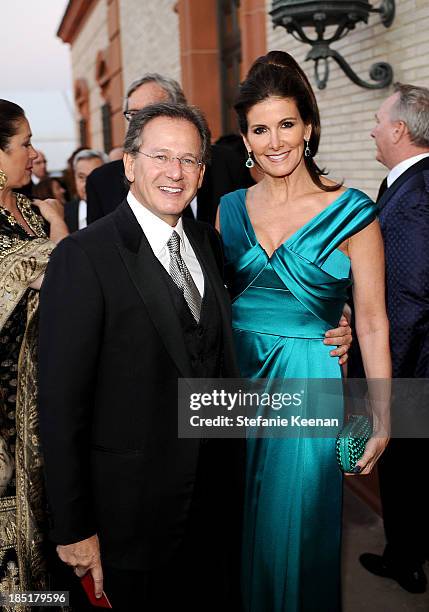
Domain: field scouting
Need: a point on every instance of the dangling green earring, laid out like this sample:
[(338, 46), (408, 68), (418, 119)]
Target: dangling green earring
[(3, 180), (249, 162)]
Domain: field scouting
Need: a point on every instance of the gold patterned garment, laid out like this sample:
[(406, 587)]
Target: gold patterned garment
[(23, 258)]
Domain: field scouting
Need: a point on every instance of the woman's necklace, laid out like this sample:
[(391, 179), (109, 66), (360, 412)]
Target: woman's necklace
[(24, 206)]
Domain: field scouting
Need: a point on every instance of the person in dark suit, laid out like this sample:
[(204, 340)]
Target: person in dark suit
[(106, 187), (129, 305), (76, 210), (402, 139)]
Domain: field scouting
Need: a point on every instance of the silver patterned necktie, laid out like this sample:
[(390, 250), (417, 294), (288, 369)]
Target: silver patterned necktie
[(182, 277)]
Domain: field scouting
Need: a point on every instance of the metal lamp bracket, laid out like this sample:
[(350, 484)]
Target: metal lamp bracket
[(381, 73)]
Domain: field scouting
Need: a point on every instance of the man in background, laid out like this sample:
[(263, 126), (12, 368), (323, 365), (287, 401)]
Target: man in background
[(75, 213), (40, 168), (116, 154), (39, 172), (401, 136), (226, 172)]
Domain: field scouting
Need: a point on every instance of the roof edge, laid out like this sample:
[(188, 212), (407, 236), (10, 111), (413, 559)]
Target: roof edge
[(75, 16)]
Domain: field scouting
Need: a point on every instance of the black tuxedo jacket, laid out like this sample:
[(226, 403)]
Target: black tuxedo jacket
[(106, 186), (71, 214), (404, 221), (111, 350)]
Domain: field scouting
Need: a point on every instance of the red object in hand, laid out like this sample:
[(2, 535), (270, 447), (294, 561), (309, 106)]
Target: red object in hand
[(88, 584)]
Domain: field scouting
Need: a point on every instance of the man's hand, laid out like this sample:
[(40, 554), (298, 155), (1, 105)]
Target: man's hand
[(341, 337), (84, 556)]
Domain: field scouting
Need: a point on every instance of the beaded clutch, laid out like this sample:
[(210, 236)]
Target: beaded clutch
[(351, 441)]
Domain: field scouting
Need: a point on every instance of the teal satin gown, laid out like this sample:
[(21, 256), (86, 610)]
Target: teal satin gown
[(282, 306)]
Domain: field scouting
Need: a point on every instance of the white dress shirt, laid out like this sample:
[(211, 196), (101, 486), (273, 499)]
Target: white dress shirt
[(400, 168), (194, 207), (158, 233), (82, 213)]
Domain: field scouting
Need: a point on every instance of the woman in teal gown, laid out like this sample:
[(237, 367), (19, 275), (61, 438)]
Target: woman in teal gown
[(290, 243)]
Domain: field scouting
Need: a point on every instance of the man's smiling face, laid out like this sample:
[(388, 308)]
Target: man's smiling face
[(165, 190)]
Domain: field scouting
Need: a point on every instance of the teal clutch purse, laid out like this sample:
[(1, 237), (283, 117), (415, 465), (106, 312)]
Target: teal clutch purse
[(351, 441)]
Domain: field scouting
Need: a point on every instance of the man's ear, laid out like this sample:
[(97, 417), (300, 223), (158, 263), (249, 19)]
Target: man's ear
[(129, 162), (399, 131), (200, 179)]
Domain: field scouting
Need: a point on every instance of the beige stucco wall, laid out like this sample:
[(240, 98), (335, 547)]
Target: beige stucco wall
[(91, 39), (347, 110), (150, 38)]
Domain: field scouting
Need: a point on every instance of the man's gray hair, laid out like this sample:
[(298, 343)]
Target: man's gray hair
[(170, 86), (89, 154), (134, 137), (413, 109)]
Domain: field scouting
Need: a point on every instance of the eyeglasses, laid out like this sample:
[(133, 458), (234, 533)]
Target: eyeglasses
[(129, 114), (188, 164)]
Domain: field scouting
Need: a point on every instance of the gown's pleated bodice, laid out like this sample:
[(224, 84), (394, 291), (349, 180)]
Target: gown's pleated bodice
[(282, 306)]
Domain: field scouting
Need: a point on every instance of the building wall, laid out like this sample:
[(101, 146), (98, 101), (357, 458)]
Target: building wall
[(201, 51), (347, 110), (150, 38), (92, 38), (150, 41)]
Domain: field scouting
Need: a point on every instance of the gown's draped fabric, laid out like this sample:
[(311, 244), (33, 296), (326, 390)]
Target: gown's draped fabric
[(23, 258), (282, 306)]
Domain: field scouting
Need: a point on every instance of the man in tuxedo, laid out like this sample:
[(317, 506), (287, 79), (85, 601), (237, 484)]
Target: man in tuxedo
[(128, 306), (75, 211), (401, 136), (106, 187), (40, 168)]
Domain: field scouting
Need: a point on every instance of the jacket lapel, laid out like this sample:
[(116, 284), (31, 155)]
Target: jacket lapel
[(143, 268), (203, 251), (71, 214), (423, 164)]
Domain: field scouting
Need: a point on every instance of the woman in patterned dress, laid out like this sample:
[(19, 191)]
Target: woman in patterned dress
[(25, 246)]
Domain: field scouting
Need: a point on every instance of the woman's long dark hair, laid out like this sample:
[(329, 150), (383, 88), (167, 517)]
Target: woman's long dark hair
[(278, 74), (10, 116)]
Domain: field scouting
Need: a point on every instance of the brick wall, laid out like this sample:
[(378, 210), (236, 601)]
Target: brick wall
[(150, 38), (92, 38), (347, 110)]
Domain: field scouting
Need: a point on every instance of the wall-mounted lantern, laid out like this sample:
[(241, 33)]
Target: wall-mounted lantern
[(295, 15)]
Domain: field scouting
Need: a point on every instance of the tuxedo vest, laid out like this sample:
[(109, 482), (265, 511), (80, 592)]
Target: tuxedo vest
[(203, 340)]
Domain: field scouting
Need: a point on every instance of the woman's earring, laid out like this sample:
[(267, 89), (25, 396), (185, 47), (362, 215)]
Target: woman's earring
[(307, 151), (249, 162), (3, 180)]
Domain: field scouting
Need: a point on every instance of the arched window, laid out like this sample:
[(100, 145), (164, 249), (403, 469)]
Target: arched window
[(81, 97), (102, 76)]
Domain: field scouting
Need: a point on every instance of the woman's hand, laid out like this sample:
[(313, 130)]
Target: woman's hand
[(373, 450), (50, 209), (53, 212)]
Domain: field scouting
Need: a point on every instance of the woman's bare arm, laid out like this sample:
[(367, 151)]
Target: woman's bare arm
[(372, 329)]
